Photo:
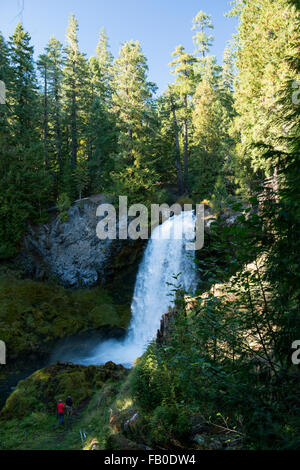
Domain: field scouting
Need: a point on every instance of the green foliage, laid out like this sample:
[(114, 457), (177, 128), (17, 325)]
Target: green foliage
[(146, 388), (132, 104), (95, 127), (168, 423), (24, 184), (263, 64), (34, 314), (220, 197), (63, 205), (29, 421), (81, 178), (202, 42), (45, 387)]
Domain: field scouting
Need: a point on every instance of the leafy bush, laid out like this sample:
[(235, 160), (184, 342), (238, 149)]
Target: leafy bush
[(168, 422), (148, 381)]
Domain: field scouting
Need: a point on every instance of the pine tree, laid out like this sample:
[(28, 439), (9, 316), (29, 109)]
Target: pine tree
[(210, 126), (263, 67), (132, 96), (24, 185), (24, 87), (5, 77), (102, 141), (228, 69), (55, 78), (132, 105), (102, 69), (101, 126), (212, 115), (76, 75), (5, 71), (172, 104), (43, 67), (183, 68), (202, 41)]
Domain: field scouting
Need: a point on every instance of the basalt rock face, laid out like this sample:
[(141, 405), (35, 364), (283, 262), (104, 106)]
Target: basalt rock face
[(163, 334), (71, 251)]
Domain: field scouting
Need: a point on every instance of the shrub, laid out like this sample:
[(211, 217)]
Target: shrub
[(148, 382), (64, 205), (168, 422)]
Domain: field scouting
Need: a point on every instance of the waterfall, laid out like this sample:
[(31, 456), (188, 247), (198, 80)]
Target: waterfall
[(166, 263)]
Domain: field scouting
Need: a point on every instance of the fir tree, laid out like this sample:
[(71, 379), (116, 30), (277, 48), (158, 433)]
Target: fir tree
[(55, 78), (24, 185), (132, 105), (75, 83), (43, 67), (201, 23), (183, 68)]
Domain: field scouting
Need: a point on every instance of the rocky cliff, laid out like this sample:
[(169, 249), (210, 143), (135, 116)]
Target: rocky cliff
[(71, 251)]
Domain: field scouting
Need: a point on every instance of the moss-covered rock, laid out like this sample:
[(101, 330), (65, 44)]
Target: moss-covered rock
[(34, 315), (29, 420), (41, 391)]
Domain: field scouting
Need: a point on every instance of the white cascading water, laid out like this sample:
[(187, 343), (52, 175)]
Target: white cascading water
[(165, 257)]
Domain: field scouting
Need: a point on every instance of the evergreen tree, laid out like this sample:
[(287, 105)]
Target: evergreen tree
[(101, 127), (76, 76), (263, 67), (102, 141), (24, 185), (5, 77), (228, 69), (132, 105), (171, 133), (211, 127), (24, 89), (132, 98), (201, 23), (43, 67), (102, 69), (55, 79), (183, 68)]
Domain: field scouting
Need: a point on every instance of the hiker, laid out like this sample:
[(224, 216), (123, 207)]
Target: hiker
[(60, 412), (69, 405)]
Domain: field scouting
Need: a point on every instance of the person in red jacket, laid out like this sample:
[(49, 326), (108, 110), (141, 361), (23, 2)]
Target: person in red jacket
[(61, 412)]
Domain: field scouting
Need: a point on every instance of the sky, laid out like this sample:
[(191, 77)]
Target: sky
[(160, 26)]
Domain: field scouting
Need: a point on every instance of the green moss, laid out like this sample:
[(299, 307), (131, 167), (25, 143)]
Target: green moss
[(42, 390), (35, 314), (28, 420)]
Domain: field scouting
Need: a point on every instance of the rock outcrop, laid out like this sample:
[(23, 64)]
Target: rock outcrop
[(166, 322), (71, 251)]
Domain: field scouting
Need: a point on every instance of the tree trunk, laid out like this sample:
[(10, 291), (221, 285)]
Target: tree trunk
[(74, 121), (74, 131), (178, 162), (46, 118), (186, 146), (129, 135), (58, 128)]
